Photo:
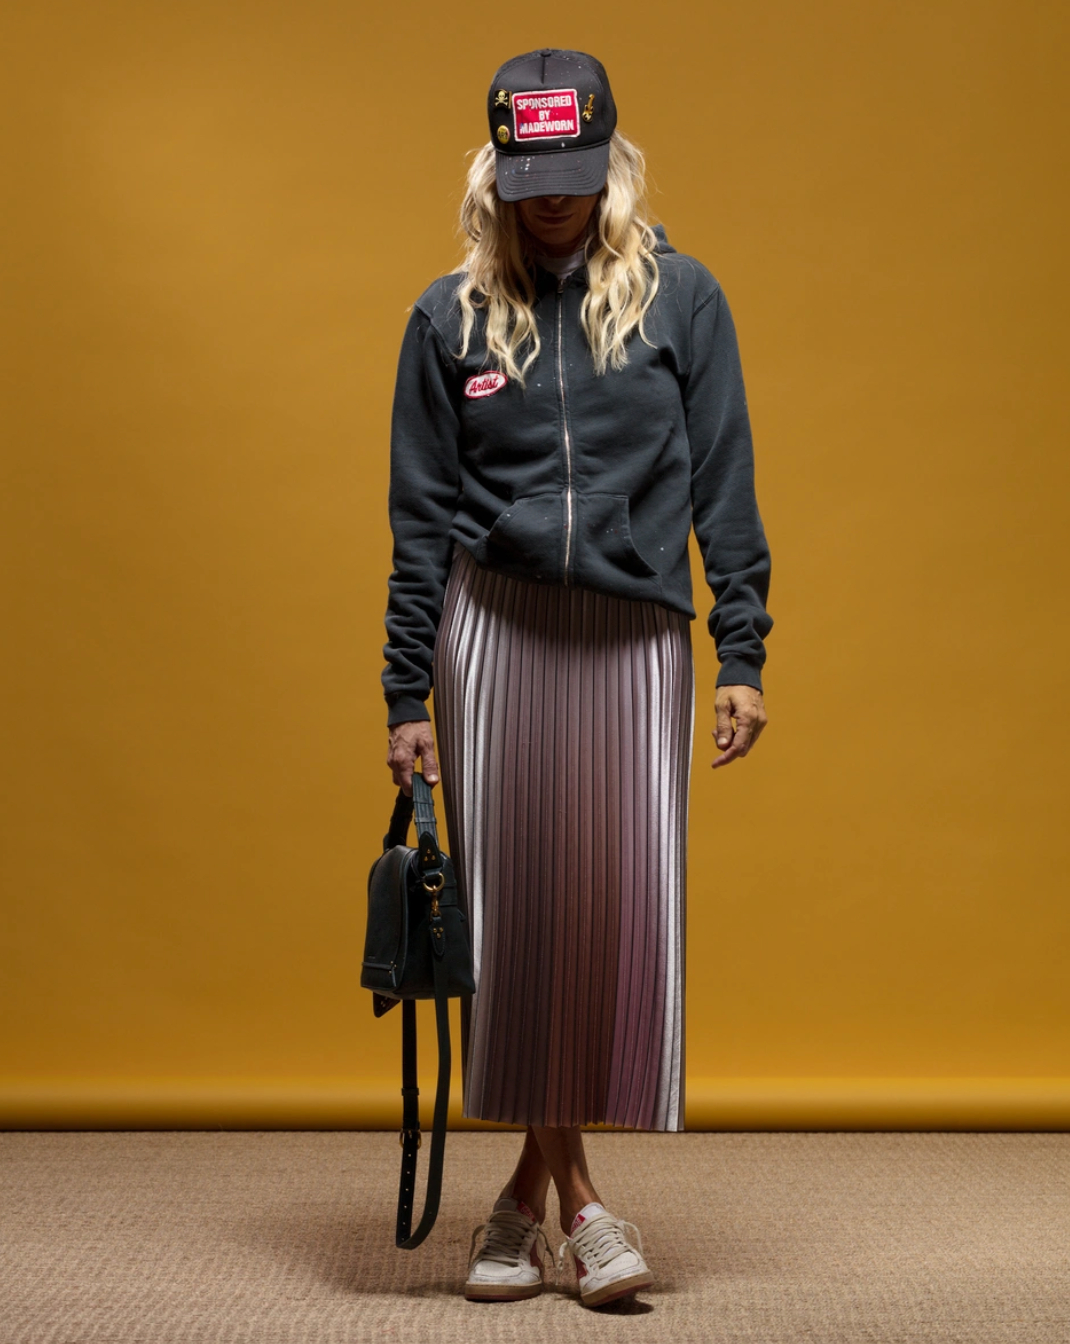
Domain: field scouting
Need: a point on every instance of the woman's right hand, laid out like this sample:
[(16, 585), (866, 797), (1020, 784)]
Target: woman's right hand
[(408, 741)]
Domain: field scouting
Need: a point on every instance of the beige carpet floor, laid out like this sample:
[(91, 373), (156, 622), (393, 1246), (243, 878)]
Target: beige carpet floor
[(266, 1238)]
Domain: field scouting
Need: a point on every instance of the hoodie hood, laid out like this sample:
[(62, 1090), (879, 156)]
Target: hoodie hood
[(663, 245)]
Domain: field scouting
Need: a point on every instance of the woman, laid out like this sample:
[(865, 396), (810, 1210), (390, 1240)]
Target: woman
[(569, 403)]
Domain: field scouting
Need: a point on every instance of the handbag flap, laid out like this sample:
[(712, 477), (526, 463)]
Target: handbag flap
[(387, 937)]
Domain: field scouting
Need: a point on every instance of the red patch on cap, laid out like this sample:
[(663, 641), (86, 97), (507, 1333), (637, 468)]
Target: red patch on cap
[(484, 385), (546, 114)]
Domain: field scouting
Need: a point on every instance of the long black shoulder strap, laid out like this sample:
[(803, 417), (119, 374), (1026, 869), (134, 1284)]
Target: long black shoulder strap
[(410, 1092)]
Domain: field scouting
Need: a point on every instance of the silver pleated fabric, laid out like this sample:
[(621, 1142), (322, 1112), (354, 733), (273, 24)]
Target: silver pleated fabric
[(565, 723)]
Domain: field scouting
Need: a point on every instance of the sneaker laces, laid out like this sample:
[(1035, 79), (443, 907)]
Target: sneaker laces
[(506, 1230), (599, 1241)]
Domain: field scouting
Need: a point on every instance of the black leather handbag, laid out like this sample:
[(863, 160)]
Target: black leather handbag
[(417, 947)]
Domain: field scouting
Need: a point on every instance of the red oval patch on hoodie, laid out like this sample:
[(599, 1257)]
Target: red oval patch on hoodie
[(485, 385)]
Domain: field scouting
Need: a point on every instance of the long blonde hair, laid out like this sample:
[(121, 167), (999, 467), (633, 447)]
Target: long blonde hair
[(622, 276)]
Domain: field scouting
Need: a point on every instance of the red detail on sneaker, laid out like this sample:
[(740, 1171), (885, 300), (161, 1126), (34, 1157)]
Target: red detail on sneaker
[(581, 1270), (525, 1210), (579, 1218)]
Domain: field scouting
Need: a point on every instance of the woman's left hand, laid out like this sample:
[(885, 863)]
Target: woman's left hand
[(745, 705)]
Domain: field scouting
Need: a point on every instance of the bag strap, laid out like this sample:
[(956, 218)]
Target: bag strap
[(429, 858), (410, 1134), (430, 864), (424, 804), (398, 833)]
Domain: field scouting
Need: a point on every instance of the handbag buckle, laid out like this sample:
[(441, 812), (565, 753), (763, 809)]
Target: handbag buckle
[(434, 882), (404, 1132)]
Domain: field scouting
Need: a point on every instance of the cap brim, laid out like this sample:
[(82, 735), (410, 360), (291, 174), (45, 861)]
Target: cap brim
[(568, 172)]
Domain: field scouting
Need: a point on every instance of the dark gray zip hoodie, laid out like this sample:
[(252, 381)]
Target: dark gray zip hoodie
[(578, 479)]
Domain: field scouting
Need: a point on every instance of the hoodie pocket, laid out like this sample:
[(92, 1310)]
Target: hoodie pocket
[(603, 545), (528, 539)]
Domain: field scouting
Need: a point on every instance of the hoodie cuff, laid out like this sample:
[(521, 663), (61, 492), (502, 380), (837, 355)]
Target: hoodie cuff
[(406, 709), (739, 672)]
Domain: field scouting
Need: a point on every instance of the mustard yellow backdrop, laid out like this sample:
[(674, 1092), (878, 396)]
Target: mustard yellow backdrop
[(216, 216)]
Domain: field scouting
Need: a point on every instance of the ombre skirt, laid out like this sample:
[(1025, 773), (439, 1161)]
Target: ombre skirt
[(565, 722)]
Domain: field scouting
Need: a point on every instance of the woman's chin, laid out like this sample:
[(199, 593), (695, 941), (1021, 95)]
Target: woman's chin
[(559, 242)]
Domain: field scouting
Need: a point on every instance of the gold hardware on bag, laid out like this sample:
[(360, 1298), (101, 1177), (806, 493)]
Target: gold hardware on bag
[(419, 1137), (441, 882)]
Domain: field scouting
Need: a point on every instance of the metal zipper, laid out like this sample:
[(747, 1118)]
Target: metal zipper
[(564, 418)]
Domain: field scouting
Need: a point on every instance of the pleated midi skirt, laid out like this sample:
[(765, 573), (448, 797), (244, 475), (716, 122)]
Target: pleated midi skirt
[(565, 724)]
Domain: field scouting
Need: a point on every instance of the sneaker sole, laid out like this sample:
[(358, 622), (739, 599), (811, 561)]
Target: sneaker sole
[(501, 1292), (620, 1288)]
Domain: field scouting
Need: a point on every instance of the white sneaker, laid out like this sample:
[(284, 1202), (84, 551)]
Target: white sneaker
[(608, 1266), (509, 1263)]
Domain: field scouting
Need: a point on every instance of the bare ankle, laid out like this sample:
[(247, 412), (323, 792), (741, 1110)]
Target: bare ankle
[(533, 1199), (530, 1180)]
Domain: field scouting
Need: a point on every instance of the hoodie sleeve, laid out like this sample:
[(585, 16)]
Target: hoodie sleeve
[(724, 507), (424, 488)]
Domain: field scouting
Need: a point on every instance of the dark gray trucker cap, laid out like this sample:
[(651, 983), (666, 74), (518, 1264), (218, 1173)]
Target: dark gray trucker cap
[(551, 117)]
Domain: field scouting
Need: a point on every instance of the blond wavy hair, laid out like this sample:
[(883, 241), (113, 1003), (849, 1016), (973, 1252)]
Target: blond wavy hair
[(622, 276)]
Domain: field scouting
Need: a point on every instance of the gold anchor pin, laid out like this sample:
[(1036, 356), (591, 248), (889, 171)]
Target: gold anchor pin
[(588, 111)]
